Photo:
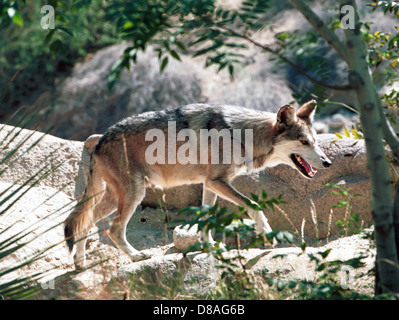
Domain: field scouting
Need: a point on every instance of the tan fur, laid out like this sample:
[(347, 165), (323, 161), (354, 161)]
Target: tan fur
[(120, 172)]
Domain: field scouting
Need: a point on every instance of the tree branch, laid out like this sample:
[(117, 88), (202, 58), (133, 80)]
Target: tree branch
[(321, 28), (287, 61), (331, 38), (390, 135)]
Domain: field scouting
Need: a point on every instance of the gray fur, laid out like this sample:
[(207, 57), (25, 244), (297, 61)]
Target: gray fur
[(120, 172)]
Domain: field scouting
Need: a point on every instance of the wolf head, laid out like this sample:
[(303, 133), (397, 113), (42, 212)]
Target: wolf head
[(296, 141)]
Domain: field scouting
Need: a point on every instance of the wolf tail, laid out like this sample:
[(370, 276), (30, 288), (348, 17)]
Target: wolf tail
[(81, 219)]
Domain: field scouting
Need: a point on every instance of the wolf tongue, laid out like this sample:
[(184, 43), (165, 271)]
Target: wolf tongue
[(307, 166)]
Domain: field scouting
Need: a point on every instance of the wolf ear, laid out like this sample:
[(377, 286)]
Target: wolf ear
[(286, 116), (307, 111)]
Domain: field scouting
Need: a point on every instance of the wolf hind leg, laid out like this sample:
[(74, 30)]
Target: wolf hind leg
[(82, 218), (104, 208), (130, 193)]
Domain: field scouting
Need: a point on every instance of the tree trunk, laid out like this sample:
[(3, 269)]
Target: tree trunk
[(355, 55), (370, 117)]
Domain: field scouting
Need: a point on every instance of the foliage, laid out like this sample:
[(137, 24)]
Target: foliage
[(354, 134), (236, 282), (222, 35), (384, 56), (171, 26), (331, 282), (231, 224), (350, 223), (386, 6), (181, 27), (32, 59), (25, 287), (199, 28)]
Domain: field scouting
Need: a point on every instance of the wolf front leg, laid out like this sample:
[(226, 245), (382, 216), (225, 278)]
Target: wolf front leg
[(225, 190), (208, 199)]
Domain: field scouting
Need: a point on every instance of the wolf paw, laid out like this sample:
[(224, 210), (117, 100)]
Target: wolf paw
[(141, 255)]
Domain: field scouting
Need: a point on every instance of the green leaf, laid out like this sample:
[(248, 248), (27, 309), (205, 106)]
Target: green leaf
[(357, 134), (164, 63), (127, 25), (64, 16), (336, 24), (175, 55), (66, 30), (347, 133), (292, 283), (49, 36), (254, 197), (231, 71), (281, 285), (181, 46), (284, 235), (325, 253), (252, 205), (282, 36), (342, 203), (17, 19), (57, 46), (338, 135)]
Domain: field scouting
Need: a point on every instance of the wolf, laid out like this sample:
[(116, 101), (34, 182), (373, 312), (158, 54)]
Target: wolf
[(120, 169)]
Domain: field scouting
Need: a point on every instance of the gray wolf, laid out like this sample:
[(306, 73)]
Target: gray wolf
[(120, 168)]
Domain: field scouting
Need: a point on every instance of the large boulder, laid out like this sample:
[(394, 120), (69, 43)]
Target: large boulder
[(40, 207), (85, 104), (312, 200), (64, 165), (302, 196), (35, 217), (112, 275), (46, 159)]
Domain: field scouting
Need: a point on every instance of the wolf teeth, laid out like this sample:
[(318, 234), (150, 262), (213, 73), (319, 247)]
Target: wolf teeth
[(299, 159), (311, 172)]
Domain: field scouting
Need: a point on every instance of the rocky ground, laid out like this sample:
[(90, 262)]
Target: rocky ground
[(111, 272), (83, 106), (39, 211), (109, 277)]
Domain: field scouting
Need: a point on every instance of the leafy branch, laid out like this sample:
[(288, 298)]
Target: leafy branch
[(287, 61)]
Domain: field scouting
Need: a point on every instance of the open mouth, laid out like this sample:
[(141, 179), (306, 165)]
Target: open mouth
[(303, 167)]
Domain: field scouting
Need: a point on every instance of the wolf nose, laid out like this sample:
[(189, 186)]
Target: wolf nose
[(327, 163)]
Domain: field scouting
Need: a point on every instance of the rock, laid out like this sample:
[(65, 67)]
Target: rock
[(37, 215), (68, 162), (94, 108), (349, 170), (184, 237), (293, 263), (51, 161), (320, 127), (91, 108), (43, 208), (195, 274), (337, 123)]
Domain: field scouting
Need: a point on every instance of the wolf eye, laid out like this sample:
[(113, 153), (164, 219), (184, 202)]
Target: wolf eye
[(305, 142)]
